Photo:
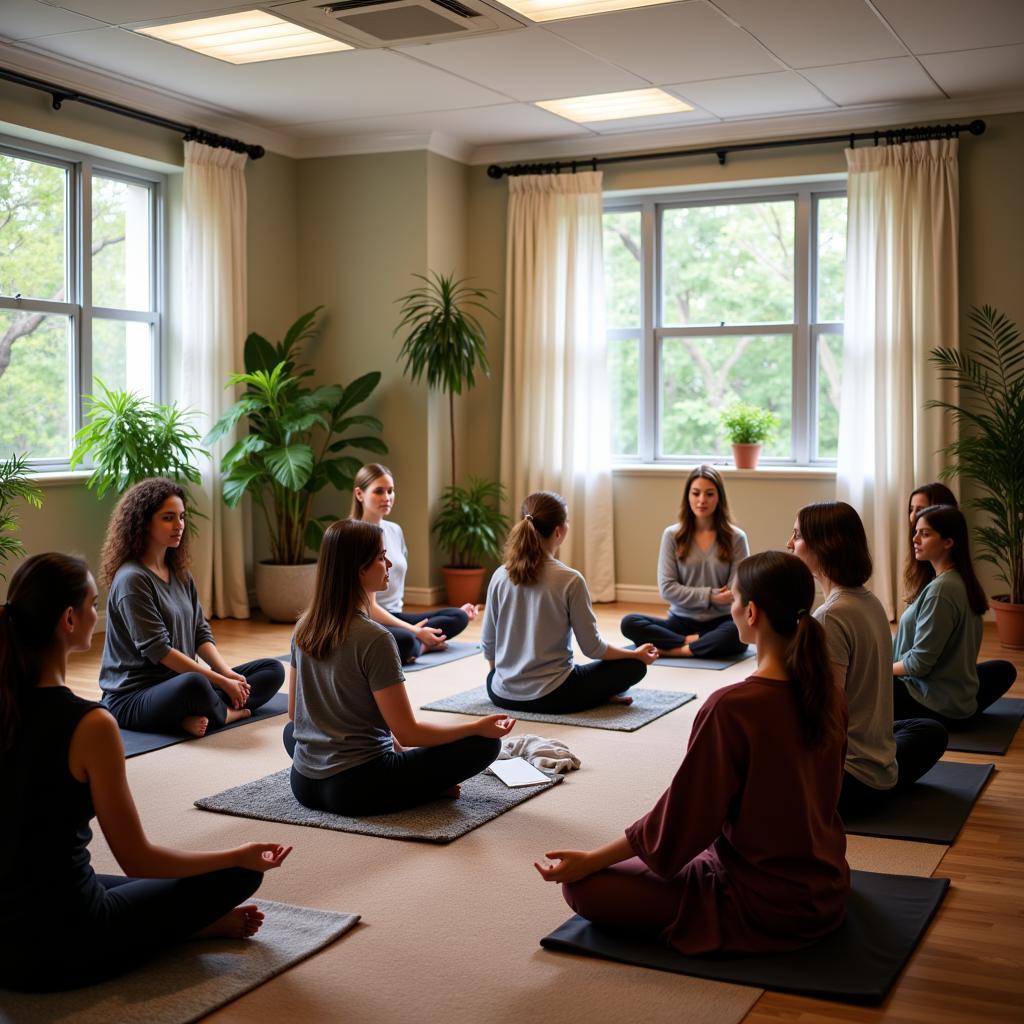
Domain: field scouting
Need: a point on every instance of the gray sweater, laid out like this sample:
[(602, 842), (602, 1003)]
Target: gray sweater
[(527, 630), (146, 619), (687, 584)]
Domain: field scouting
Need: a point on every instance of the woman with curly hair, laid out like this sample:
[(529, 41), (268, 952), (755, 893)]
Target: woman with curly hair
[(151, 675)]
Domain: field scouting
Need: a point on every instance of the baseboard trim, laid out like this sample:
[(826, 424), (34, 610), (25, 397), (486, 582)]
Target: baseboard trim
[(424, 595), (631, 593)]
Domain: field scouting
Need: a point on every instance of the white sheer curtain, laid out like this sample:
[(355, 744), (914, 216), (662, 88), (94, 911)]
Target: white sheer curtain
[(901, 302), (213, 338), (554, 420)]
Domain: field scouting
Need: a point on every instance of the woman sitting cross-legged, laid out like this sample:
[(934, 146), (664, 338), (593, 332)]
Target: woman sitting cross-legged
[(935, 650), (535, 604), (62, 763), (696, 566), (882, 756), (745, 851), (351, 718)]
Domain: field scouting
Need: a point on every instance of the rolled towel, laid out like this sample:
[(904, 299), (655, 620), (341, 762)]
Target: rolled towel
[(549, 754)]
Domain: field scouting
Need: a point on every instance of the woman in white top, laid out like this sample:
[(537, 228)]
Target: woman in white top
[(881, 755), (373, 499), (696, 567), (534, 605)]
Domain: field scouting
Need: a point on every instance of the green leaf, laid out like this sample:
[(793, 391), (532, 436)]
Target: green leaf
[(259, 354), (291, 467)]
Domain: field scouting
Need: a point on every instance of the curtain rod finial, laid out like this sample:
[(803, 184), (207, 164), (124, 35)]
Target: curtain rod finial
[(977, 127), (494, 171)]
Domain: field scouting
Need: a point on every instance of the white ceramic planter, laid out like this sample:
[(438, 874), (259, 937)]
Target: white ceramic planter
[(284, 591)]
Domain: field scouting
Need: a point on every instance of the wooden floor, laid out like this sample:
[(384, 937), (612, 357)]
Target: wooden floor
[(970, 966)]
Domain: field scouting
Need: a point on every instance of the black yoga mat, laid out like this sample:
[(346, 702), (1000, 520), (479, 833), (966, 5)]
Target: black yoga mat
[(992, 731), (136, 743), (859, 962), (932, 810)]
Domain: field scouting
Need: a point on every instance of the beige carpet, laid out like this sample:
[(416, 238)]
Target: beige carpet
[(451, 933)]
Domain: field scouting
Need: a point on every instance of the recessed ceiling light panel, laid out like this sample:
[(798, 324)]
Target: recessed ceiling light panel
[(614, 106), (245, 37), (555, 10)]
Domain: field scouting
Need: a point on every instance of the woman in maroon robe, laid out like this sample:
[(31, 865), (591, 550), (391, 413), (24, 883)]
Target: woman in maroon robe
[(745, 850)]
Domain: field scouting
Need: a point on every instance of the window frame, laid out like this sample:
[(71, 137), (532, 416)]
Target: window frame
[(81, 168), (804, 330)]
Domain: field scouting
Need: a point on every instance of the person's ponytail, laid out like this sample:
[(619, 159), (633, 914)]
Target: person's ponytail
[(542, 512)]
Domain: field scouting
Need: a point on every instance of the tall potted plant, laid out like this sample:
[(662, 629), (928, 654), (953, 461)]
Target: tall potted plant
[(990, 414), (446, 344), (294, 448), (15, 485)]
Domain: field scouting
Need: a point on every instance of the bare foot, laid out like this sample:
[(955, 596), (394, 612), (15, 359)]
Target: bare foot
[(692, 638), (195, 725), (620, 698), (677, 652), (234, 714), (455, 792), (240, 923)]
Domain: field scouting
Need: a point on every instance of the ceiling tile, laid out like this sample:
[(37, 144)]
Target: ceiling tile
[(934, 26), (874, 81), (995, 69), (122, 12), (527, 64), (687, 41), (683, 119), (24, 19), (815, 33), (780, 93)]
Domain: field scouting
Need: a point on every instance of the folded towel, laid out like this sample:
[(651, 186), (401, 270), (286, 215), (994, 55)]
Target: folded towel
[(552, 755)]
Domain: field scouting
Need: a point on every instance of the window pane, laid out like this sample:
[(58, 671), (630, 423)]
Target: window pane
[(831, 258), (728, 264), (33, 229), (624, 387), (34, 385), (122, 355), (830, 375), (700, 376), (120, 244), (622, 268)]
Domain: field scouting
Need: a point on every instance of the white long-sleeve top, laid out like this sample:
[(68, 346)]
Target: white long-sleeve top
[(687, 585)]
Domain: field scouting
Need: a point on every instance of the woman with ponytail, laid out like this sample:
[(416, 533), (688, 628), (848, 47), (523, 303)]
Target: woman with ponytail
[(935, 650), (373, 499), (882, 756), (61, 764), (535, 604), (745, 851)]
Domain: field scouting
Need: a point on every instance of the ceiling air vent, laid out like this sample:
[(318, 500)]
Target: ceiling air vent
[(397, 22)]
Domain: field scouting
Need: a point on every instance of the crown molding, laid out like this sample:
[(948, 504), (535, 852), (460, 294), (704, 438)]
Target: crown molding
[(85, 78), (385, 142), (750, 130)]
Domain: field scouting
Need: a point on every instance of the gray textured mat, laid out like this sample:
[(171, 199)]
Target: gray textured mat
[(190, 980), (455, 651), (483, 798), (992, 731), (647, 706)]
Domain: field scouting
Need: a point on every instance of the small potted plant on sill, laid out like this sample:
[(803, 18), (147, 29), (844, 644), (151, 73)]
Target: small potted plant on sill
[(15, 484), (748, 427), (990, 414)]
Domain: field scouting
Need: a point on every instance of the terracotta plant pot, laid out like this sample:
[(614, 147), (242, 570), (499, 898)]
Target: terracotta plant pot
[(745, 456), (463, 585), (284, 591), (1009, 622)]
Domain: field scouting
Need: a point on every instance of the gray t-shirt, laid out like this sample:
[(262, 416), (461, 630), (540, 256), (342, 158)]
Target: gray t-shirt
[(146, 619), (687, 584), (337, 722), (398, 555), (860, 647), (527, 627)]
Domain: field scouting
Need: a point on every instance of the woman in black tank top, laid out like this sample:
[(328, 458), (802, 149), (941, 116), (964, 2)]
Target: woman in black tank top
[(61, 763)]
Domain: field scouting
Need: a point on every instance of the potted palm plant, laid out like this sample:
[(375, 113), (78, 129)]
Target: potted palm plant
[(295, 447), (748, 427), (15, 485), (446, 344), (990, 414)]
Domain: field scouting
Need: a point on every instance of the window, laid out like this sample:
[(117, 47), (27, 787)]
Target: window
[(721, 297), (79, 293)]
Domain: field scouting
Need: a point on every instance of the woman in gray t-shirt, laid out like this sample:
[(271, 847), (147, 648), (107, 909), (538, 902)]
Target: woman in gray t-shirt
[(356, 746)]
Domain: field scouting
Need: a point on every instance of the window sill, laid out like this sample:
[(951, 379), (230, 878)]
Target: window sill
[(61, 478), (771, 472)]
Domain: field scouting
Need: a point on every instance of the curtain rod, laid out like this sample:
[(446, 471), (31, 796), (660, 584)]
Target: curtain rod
[(890, 136), (59, 95)]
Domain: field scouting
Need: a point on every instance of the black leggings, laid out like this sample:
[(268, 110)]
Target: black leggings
[(994, 679), (586, 687), (718, 637), (394, 781), (451, 622), (920, 742), (137, 918), (162, 706)]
